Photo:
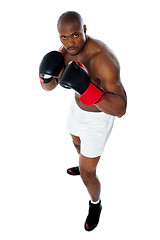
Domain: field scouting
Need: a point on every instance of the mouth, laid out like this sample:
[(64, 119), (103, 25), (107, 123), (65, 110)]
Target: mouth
[(72, 50)]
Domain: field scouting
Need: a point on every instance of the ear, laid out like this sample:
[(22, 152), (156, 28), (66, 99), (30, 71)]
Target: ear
[(85, 28)]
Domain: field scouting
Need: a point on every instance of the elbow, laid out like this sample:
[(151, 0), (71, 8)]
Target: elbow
[(121, 114), (122, 111)]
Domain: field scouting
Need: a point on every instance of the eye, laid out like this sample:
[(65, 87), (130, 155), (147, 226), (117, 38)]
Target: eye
[(75, 35), (63, 37)]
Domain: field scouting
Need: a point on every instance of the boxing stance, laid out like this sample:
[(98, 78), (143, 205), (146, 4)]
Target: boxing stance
[(90, 68)]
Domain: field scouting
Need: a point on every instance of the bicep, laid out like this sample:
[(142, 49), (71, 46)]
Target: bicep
[(108, 72)]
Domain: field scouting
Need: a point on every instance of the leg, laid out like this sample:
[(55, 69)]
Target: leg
[(76, 142), (87, 167), (74, 171), (88, 174)]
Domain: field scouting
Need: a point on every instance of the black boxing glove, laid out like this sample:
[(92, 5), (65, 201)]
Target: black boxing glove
[(76, 76), (50, 66)]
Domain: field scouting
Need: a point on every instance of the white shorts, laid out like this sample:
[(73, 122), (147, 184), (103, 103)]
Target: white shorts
[(93, 129)]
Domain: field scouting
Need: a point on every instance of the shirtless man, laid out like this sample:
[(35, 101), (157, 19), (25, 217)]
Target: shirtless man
[(90, 119)]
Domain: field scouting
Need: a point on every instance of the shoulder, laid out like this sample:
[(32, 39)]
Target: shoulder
[(106, 67), (103, 56)]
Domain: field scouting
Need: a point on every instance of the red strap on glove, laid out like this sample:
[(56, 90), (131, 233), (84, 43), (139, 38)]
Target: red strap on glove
[(92, 95)]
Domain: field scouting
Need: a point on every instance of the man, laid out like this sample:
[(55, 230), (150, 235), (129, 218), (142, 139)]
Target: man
[(90, 118)]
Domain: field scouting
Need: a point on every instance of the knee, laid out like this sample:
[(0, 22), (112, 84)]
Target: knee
[(87, 175)]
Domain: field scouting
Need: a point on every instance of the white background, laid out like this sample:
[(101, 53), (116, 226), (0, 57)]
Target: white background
[(38, 200)]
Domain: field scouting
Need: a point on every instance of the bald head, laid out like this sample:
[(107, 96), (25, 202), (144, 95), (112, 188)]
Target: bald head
[(70, 17), (72, 32)]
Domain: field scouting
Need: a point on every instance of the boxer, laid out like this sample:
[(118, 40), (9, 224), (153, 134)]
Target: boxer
[(91, 69)]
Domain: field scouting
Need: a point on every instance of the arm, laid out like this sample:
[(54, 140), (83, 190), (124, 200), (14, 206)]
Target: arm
[(53, 83), (49, 86), (109, 98), (108, 71)]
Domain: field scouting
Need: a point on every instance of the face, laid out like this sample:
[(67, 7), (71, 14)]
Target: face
[(73, 37)]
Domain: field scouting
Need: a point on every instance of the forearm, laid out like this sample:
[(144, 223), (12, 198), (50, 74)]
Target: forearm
[(49, 86), (113, 104)]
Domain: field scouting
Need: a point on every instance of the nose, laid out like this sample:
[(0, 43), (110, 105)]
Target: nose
[(71, 42)]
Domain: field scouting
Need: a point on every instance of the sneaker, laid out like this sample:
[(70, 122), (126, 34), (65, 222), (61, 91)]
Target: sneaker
[(74, 171), (93, 216)]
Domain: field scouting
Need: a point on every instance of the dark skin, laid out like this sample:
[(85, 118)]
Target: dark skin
[(104, 71)]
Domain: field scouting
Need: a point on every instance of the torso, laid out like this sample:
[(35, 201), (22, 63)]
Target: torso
[(92, 49)]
